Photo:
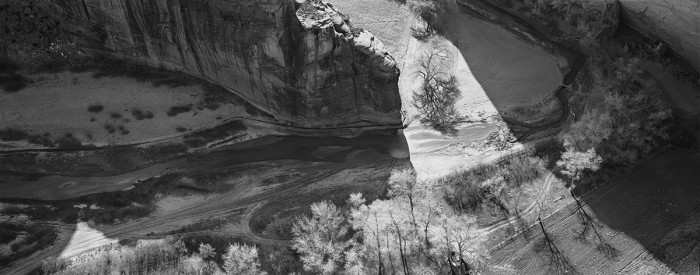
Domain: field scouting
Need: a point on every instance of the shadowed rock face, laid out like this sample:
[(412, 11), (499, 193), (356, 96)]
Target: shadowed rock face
[(321, 73), (675, 21)]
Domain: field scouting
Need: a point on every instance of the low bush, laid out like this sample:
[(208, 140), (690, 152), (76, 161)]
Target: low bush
[(11, 134), (123, 130), (110, 129), (141, 115), (13, 82), (41, 140), (280, 228), (35, 237), (69, 142), (179, 109), (95, 108), (467, 190)]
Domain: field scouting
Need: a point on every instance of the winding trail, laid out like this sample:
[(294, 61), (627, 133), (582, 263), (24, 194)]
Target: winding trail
[(512, 219)]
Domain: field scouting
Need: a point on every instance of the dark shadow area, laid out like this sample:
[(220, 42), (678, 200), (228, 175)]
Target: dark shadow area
[(512, 67), (652, 204)]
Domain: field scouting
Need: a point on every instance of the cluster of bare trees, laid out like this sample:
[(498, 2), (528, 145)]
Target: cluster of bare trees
[(466, 191), (167, 257), (413, 232), (573, 164), (630, 122), (586, 21)]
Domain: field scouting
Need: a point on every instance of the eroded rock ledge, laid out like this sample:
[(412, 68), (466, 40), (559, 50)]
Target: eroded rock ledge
[(301, 63)]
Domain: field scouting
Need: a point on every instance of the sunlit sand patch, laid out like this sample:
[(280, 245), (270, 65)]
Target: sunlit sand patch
[(85, 238)]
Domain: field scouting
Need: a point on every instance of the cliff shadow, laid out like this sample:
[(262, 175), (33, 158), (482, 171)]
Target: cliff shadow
[(654, 208)]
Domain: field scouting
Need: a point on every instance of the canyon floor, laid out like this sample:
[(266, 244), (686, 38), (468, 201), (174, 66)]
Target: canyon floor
[(256, 179)]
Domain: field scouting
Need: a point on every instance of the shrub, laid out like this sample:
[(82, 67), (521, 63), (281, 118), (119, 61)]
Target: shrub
[(141, 115), (53, 265), (110, 128), (69, 142), (467, 190), (280, 228), (115, 115), (95, 108), (13, 82), (36, 237), (40, 140), (123, 130), (176, 110), (10, 134)]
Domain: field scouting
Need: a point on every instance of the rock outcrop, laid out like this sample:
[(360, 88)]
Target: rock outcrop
[(676, 22), (301, 63)]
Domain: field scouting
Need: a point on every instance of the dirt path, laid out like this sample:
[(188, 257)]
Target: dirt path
[(526, 212)]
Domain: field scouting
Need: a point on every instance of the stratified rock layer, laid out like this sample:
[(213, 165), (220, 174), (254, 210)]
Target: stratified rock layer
[(677, 22), (322, 73)]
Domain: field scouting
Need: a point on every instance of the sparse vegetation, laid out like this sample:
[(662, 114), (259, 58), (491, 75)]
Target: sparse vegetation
[(123, 130), (141, 115), (110, 129), (134, 203), (585, 24), (11, 134), (226, 130), (105, 161), (466, 191), (630, 122), (69, 142), (115, 115), (21, 240), (429, 10)]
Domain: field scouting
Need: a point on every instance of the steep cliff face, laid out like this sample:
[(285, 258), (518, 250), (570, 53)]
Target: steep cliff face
[(318, 74), (676, 22)]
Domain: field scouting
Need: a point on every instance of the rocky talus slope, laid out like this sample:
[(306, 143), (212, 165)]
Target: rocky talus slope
[(304, 64)]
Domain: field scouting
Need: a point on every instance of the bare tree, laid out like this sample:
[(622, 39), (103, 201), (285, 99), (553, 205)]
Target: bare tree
[(557, 260), (436, 99), (242, 259), (319, 238)]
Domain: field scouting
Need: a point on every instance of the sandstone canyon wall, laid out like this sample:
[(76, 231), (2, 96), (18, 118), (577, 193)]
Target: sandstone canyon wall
[(319, 73)]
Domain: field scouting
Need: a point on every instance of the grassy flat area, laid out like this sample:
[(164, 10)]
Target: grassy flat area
[(67, 109)]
